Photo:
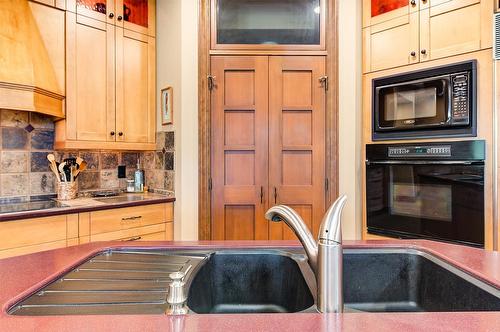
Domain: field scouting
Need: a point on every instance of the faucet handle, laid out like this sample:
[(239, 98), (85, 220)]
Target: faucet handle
[(176, 294), (331, 226)]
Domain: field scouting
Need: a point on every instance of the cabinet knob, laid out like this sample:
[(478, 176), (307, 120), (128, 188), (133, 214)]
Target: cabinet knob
[(119, 18), (120, 134), (413, 2), (424, 1), (112, 133), (413, 53), (111, 15), (424, 51)]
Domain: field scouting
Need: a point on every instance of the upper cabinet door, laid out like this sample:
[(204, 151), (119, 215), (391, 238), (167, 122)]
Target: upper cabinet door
[(101, 10), (391, 44), (449, 28), (378, 11), (135, 87), (268, 25), (90, 79), (136, 15)]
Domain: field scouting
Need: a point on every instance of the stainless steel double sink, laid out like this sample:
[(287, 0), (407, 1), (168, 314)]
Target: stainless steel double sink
[(258, 281)]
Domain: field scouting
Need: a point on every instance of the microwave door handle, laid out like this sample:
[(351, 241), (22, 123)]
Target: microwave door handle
[(422, 162)]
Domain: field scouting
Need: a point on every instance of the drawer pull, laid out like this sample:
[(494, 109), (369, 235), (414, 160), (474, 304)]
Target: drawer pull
[(131, 218), (133, 239)]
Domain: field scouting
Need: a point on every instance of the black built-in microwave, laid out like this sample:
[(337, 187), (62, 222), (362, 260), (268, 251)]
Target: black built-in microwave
[(434, 102)]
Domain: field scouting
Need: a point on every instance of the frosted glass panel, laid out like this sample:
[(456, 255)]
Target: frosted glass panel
[(94, 5), (292, 22)]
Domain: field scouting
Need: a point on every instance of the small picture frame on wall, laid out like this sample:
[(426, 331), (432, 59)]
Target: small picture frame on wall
[(167, 105)]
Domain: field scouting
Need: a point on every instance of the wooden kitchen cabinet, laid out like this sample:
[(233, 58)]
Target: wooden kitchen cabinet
[(134, 15), (391, 44), (378, 11), (141, 223), (455, 27), (111, 76), (437, 29), (27, 236), (135, 87), (90, 68)]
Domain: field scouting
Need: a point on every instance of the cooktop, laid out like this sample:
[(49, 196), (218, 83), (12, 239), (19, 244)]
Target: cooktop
[(29, 206)]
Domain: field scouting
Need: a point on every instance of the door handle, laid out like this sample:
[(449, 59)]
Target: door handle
[(324, 82), (275, 195), (261, 195), (137, 238)]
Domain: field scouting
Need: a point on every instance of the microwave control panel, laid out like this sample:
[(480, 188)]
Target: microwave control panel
[(420, 151), (460, 99)]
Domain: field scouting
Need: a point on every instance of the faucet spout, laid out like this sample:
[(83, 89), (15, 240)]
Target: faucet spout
[(330, 230), (294, 221), (325, 257)]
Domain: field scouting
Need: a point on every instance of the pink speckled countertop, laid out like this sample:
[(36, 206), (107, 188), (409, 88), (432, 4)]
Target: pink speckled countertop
[(19, 276)]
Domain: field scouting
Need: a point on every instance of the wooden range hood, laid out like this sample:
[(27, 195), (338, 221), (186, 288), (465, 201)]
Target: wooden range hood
[(32, 57)]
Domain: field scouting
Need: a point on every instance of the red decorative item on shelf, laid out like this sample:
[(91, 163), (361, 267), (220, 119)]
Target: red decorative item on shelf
[(136, 12), (385, 6)]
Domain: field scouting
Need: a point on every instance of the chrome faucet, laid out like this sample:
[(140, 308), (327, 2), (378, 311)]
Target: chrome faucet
[(325, 258)]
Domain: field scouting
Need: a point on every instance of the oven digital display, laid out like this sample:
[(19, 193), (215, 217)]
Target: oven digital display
[(420, 151)]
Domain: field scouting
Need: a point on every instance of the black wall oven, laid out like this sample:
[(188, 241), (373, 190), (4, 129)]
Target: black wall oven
[(428, 190), (429, 103)]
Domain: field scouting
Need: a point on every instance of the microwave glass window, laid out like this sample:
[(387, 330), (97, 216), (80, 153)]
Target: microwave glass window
[(413, 104), (293, 22)]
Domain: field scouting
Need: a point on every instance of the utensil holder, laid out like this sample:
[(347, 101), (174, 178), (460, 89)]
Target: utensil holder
[(67, 191)]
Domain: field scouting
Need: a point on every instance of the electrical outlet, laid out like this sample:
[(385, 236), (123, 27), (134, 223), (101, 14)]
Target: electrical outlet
[(122, 172)]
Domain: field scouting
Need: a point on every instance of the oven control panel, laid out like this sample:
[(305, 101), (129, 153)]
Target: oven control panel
[(460, 99), (420, 151)]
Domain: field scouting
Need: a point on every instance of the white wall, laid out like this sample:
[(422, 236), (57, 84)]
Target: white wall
[(349, 25), (177, 65)]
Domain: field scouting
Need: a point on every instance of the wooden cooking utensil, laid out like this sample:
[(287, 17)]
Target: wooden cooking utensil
[(53, 166), (83, 166)]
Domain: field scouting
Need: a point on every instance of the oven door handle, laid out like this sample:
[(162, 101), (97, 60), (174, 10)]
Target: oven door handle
[(424, 162)]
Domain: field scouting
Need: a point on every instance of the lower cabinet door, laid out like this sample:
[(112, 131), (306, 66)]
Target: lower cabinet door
[(32, 249)]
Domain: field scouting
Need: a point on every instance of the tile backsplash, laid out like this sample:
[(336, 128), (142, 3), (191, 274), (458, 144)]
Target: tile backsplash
[(26, 139)]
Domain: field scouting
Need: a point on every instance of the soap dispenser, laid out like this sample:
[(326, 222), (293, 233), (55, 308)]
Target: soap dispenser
[(139, 177)]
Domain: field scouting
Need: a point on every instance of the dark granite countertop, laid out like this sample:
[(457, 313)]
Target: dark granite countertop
[(46, 208)]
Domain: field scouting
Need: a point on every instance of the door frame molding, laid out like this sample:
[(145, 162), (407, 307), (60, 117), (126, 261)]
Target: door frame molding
[(204, 116)]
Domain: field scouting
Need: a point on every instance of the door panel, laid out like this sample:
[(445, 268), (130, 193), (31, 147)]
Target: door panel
[(134, 75), (391, 44), (446, 32), (297, 139), (90, 64), (239, 104)]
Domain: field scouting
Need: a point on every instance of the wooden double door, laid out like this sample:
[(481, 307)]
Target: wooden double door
[(267, 143)]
